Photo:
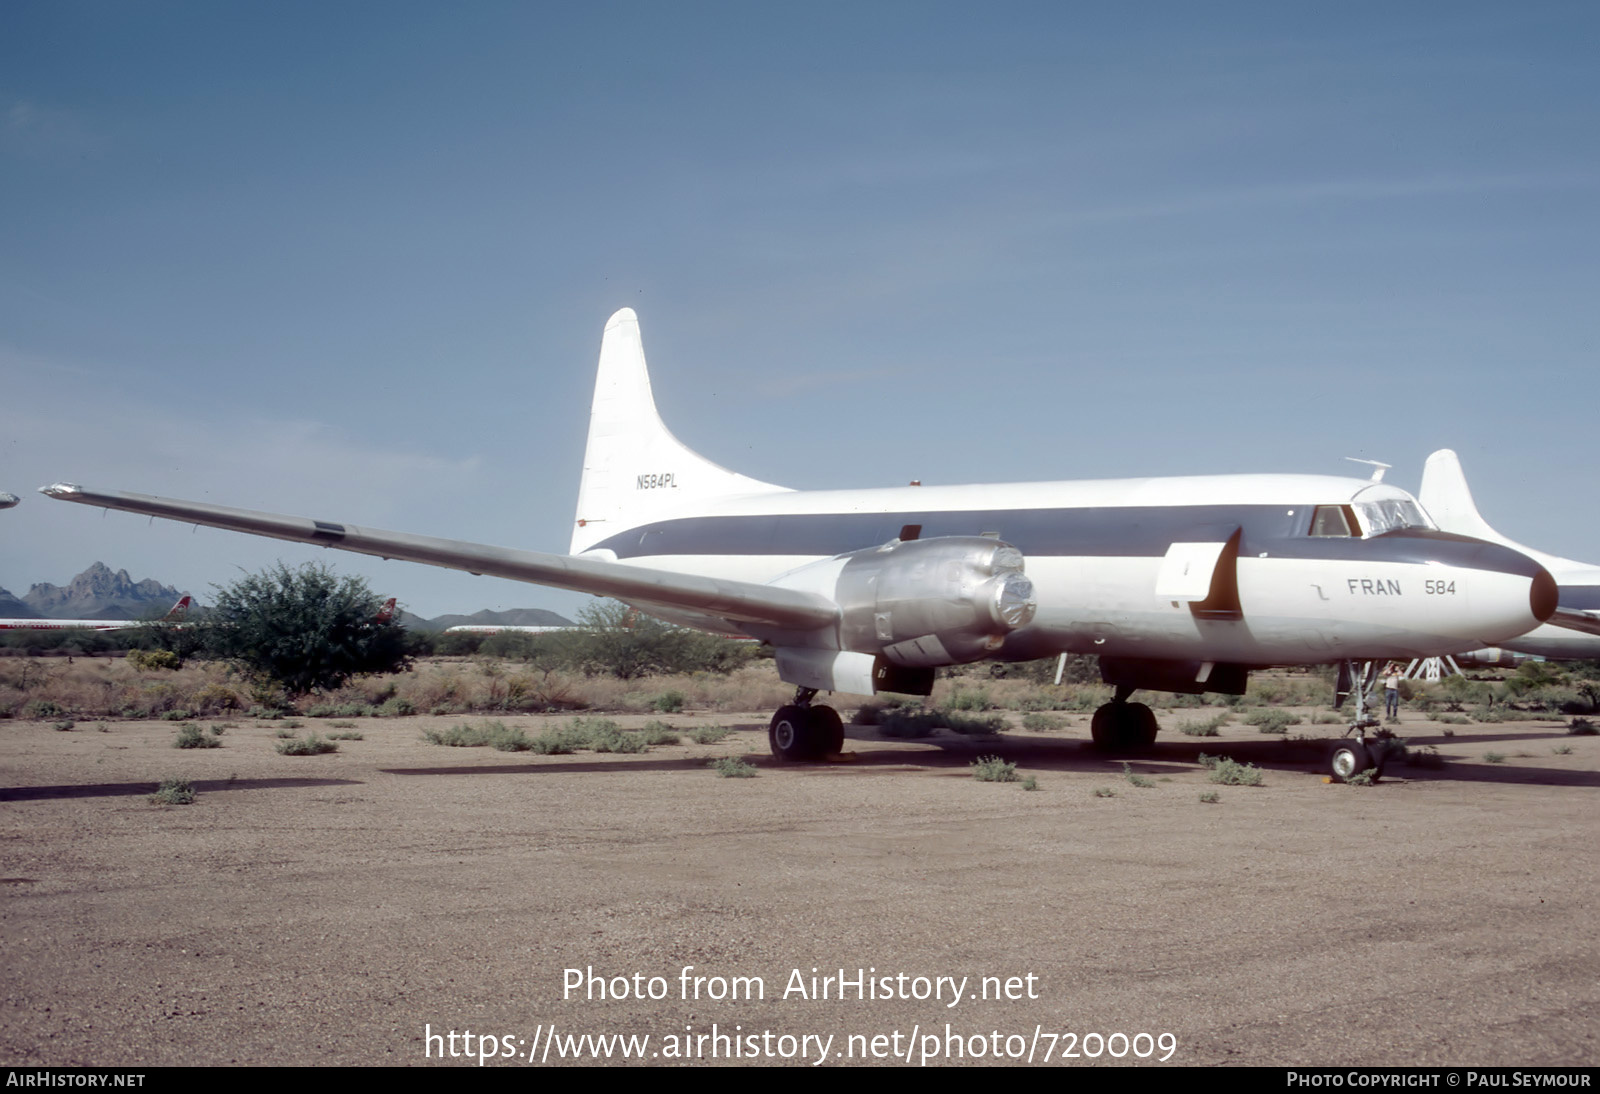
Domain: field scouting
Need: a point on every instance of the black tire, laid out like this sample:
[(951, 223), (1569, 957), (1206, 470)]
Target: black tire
[(1347, 759), (1123, 727), (792, 735), (1103, 727), (1141, 726), (829, 728)]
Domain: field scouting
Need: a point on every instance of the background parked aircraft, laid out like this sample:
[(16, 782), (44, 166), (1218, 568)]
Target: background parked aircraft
[(174, 615), (1444, 493)]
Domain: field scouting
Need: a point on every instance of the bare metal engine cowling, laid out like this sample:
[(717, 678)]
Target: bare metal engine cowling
[(929, 602)]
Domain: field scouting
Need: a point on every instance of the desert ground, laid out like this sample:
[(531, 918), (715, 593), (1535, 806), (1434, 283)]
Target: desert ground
[(361, 906)]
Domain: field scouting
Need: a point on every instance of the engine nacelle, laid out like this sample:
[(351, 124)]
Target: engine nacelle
[(929, 602)]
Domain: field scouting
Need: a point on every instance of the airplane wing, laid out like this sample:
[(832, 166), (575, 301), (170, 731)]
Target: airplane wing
[(742, 601)]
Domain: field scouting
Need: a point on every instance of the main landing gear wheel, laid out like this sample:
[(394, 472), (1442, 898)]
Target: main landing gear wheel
[(798, 733), (1123, 727), (1348, 759), (830, 730)]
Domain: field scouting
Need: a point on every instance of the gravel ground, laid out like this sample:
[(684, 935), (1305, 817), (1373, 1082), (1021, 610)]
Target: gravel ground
[(340, 909)]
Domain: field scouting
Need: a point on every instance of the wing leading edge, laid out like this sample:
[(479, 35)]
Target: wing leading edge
[(738, 601)]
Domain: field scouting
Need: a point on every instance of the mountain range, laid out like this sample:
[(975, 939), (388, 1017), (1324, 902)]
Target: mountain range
[(100, 593)]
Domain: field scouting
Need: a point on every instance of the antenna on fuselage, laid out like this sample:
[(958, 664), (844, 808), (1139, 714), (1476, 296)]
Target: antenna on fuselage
[(1377, 468)]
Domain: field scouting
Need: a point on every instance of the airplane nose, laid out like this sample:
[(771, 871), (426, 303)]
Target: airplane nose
[(1543, 594)]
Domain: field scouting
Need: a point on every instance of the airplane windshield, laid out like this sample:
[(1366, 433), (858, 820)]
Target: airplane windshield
[(1390, 515)]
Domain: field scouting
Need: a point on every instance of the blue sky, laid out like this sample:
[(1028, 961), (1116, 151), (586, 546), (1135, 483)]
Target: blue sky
[(353, 260)]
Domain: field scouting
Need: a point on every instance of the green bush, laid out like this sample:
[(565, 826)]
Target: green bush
[(1141, 781), (731, 767), (175, 791), (670, 702), (992, 769), (1229, 772), (304, 630), (311, 745), (154, 659), (962, 699), (659, 733), (190, 736), (1272, 721), (1042, 723)]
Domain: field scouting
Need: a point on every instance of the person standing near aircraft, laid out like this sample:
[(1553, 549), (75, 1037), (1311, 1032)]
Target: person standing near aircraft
[(1391, 693)]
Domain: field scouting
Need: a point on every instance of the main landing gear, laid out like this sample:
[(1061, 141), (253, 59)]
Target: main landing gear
[(801, 732), (1121, 726)]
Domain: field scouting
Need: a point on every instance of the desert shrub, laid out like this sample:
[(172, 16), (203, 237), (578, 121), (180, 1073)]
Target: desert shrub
[(213, 699), (347, 735), (1494, 757), (708, 735), (973, 725), (190, 736), (992, 769), (1141, 781), (1581, 727), (340, 710), (615, 640), (964, 699), (304, 629), (1230, 772), (310, 745), (174, 791), (395, 707), (154, 659), (1425, 756), (482, 735), (1210, 797), (670, 702), (1104, 792), (659, 733), (63, 726), (39, 710), (1211, 727), (1029, 782), (1272, 721), (731, 767), (1042, 723)]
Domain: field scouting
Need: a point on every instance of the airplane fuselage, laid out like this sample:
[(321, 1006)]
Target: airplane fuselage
[(1101, 557)]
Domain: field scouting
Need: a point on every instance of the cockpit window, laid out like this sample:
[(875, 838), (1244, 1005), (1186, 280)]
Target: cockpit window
[(1390, 515), (1331, 520)]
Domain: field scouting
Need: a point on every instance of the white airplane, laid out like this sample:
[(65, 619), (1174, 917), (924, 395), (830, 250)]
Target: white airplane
[(174, 615), (1573, 633), (1178, 584), (8, 500)]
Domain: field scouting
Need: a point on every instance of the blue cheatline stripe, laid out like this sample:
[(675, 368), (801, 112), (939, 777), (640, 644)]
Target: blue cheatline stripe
[(1107, 532)]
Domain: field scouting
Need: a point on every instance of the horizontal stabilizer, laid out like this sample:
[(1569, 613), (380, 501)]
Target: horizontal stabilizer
[(1573, 619), (737, 601)]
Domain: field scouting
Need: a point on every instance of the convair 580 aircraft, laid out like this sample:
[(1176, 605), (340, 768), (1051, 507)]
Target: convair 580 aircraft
[(1182, 584), (1573, 632)]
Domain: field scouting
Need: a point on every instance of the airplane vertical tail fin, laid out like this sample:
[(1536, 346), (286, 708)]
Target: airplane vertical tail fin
[(179, 611), (1444, 494), (634, 469)]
